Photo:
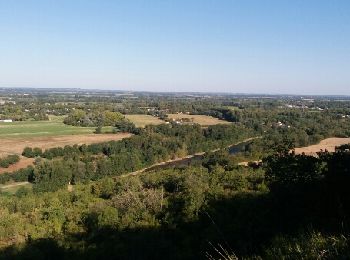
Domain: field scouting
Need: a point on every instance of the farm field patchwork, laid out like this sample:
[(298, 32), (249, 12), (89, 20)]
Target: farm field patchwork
[(16, 145), (143, 120), (198, 119), (15, 136)]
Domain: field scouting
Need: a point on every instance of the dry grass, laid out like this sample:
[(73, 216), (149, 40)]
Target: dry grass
[(23, 163), (143, 120), (198, 119), (326, 144), (16, 145)]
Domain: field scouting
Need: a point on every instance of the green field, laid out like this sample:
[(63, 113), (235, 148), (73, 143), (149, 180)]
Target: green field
[(40, 128), (52, 127)]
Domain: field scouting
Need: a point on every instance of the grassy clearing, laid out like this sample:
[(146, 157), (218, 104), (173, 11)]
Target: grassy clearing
[(143, 120), (198, 119), (12, 188), (53, 127), (40, 129)]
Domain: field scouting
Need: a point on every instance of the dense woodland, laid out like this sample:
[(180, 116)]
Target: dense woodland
[(83, 205), (234, 210), (56, 167)]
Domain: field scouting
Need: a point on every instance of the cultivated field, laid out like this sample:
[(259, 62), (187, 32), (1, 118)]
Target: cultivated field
[(15, 136), (16, 145), (326, 144), (143, 120), (198, 119), (28, 129)]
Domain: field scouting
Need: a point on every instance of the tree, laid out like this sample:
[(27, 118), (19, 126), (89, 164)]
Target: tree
[(98, 130)]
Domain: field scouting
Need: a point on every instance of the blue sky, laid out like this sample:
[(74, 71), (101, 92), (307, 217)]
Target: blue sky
[(297, 47)]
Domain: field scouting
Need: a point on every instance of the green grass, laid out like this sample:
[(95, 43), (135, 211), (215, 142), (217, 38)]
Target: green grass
[(10, 190), (41, 128)]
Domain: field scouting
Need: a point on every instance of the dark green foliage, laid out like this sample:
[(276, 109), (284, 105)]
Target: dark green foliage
[(93, 118), (25, 174), (51, 176), (344, 147), (32, 152), (153, 144), (289, 170), (98, 130), (127, 126), (28, 152), (5, 162), (190, 212)]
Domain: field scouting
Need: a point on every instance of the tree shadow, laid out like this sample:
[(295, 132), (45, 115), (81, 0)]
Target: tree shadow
[(244, 225)]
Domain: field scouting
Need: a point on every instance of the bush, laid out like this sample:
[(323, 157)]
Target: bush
[(9, 160), (32, 152), (28, 152)]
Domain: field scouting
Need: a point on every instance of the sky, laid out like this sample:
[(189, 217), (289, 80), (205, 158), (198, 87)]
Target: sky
[(235, 46)]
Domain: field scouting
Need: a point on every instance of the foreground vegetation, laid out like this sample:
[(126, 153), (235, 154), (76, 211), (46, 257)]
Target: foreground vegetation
[(29, 129), (240, 211)]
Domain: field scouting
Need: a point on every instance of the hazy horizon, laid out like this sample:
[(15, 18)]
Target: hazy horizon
[(270, 47)]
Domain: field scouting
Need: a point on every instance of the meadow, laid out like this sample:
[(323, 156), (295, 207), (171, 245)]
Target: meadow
[(12, 188), (143, 120), (29, 129)]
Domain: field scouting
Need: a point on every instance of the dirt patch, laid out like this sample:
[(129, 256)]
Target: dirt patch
[(328, 144), (143, 120), (16, 145), (23, 163), (197, 119)]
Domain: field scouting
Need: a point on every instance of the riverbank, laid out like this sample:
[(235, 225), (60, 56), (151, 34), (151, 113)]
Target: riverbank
[(186, 160)]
